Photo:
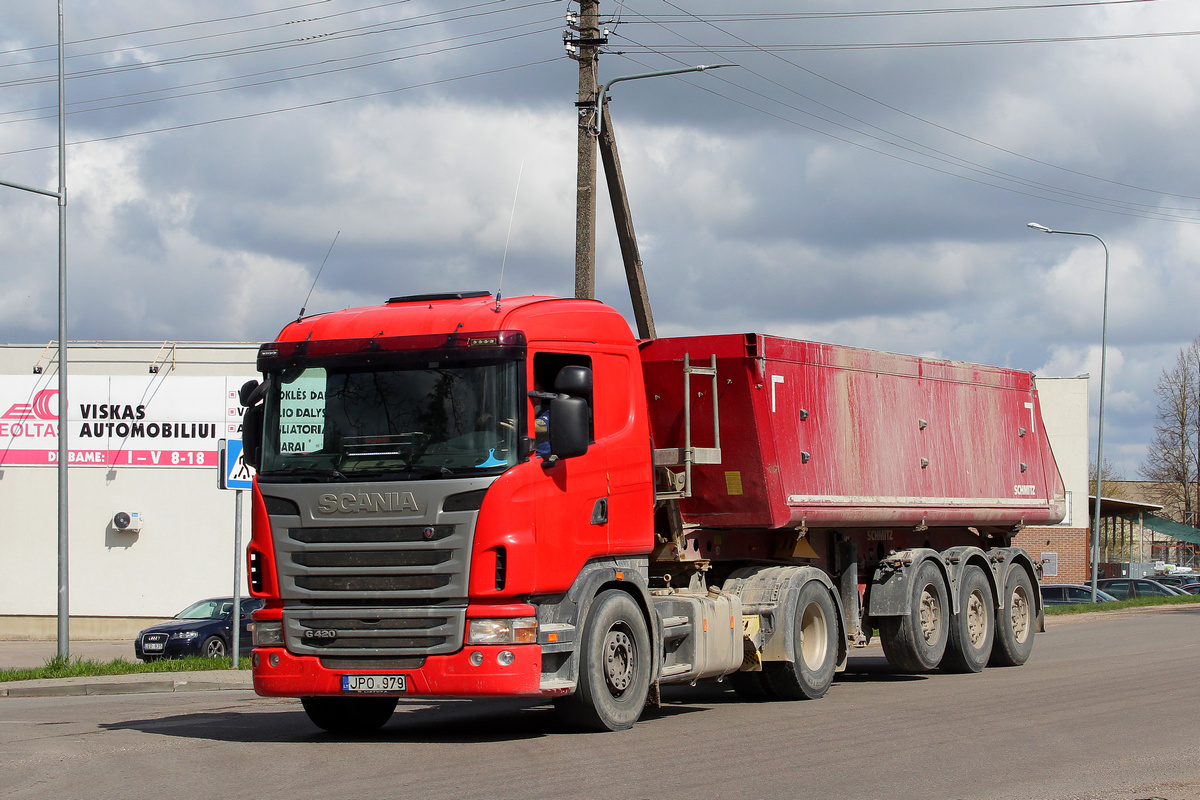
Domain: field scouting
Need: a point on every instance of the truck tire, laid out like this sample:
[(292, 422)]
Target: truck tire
[(916, 642), (349, 715), (814, 641), (614, 667), (973, 629), (1014, 629)]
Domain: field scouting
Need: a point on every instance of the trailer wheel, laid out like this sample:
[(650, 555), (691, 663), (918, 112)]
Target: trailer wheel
[(349, 715), (1014, 633), (614, 667), (751, 686), (916, 642), (814, 642), (973, 630)]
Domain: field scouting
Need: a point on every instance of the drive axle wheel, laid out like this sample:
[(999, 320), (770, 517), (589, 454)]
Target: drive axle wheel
[(1014, 633), (973, 629), (814, 641), (916, 642), (614, 667), (349, 715)]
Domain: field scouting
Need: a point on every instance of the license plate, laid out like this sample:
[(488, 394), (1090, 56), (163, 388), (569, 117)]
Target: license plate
[(368, 684), (148, 646)]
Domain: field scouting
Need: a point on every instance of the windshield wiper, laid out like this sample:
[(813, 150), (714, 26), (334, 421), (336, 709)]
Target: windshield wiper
[(308, 471)]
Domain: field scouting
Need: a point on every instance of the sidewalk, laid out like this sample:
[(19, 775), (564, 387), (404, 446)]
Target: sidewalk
[(24, 654)]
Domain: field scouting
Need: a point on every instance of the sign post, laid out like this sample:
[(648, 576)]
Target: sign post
[(235, 474)]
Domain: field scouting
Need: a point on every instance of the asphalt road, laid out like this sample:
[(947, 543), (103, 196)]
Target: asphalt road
[(1102, 710)]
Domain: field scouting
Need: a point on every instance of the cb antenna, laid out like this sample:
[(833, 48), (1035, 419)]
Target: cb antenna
[(300, 316), (508, 237)]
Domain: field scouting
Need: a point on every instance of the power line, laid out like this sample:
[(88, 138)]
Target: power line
[(179, 94), (300, 107)]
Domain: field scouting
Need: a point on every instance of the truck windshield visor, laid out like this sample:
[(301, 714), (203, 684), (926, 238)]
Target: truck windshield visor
[(397, 421)]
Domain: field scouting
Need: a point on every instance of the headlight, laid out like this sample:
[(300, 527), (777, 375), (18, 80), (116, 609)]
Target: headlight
[(519, 630), (186, 635), (267, 634)]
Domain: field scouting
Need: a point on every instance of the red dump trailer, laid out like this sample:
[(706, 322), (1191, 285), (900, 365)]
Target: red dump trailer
[(465, 496)]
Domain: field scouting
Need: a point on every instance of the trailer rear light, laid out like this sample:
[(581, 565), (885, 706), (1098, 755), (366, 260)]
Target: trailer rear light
[(518, 630), (267, 634)]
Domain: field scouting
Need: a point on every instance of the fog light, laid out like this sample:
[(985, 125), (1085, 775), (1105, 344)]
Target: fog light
[(505, 658), (476, 658), (274, 659), (254, 660)]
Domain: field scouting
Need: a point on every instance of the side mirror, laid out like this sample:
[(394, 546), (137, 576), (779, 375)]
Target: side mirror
[(570, 428), (252, 434)]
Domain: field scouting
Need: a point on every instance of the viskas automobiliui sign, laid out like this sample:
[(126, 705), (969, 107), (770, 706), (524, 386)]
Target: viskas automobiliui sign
[(155, 421)]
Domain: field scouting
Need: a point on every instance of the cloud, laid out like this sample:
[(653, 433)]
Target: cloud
[(875, 197)]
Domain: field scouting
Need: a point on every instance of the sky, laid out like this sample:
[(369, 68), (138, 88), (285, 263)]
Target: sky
[(863, 176)]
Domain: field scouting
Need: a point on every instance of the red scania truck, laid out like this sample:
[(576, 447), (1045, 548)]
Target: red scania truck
[(737, 506)]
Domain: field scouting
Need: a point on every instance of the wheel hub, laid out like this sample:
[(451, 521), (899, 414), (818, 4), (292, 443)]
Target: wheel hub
[(620, 661), (931, 616), (976, 619), (1019, 612)]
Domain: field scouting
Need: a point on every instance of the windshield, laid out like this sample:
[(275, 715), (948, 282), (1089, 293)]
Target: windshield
[(206, 609), (420, 421)]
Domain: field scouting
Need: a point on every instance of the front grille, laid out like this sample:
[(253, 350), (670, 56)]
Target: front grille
[(422, 563), (375, 632)]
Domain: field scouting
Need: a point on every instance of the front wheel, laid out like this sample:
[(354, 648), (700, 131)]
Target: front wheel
[(349, 715), (614, 667), (1014, 633), (213, 647)]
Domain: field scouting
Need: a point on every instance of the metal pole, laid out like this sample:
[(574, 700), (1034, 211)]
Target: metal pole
[(235, 616), (64, 636), (1100, 422)]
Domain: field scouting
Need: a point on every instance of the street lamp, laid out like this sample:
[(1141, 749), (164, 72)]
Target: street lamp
[(1100, 424)]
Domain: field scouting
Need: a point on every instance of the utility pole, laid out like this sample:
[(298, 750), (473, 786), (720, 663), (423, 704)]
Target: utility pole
[(586, 50)]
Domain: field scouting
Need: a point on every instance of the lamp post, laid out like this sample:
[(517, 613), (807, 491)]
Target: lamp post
[(64, 615), (1100, 423)]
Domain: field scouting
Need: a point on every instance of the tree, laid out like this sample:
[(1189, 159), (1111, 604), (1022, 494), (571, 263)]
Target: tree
[(1113, 478), (1173, 458)]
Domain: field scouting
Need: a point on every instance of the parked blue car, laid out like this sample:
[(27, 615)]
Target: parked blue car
[(201, 629)]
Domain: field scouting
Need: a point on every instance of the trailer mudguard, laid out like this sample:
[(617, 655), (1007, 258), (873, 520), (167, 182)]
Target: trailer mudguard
[(1004, 560), (767, 591), (889, 594), (957, 559)]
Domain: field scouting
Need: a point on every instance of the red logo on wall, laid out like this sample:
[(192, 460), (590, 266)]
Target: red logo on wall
[(40, 407)]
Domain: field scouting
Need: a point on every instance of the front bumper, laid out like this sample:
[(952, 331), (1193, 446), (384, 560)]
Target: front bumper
[(450, 675)]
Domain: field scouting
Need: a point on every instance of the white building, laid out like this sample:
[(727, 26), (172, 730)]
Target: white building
[(144, 421)]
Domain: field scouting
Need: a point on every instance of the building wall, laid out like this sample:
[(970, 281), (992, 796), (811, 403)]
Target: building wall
[(185, 550), (1064, 403)]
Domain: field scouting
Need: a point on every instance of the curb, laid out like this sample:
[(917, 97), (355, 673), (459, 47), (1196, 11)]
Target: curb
[(145, 683)]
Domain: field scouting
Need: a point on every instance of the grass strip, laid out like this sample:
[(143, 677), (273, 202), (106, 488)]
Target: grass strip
[(59, 667)]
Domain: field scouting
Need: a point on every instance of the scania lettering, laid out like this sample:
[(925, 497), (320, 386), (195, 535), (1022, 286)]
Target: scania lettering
[(737, 507)]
